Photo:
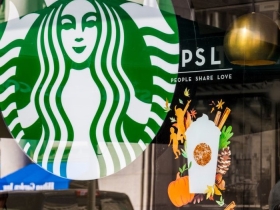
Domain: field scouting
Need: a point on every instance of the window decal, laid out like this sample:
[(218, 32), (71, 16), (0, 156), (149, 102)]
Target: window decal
[(206, 154), (83, 82)]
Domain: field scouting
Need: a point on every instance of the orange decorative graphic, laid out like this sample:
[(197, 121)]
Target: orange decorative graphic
[(178, 191), (202, 154), (217, 191), (213, 106), (224, 118), (174, 141), (219, 178), (217, 118), (220, 104), (220, 183), (181, 124), (230, 206), (193, 113), (180, 115)]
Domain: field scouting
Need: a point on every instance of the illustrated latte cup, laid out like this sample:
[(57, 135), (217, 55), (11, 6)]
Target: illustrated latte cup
[(202, 148)]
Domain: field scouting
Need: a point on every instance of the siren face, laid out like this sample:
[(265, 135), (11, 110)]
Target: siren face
[(79, 30)]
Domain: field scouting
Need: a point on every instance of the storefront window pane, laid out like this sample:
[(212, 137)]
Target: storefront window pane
[(234, 107)]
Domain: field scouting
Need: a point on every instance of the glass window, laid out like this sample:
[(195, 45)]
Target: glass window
[(176, 100)]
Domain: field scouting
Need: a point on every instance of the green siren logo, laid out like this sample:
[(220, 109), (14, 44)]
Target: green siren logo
[(84, 82)]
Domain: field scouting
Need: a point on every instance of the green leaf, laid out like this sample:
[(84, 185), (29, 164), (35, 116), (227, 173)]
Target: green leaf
[(166, 109), (172, 119), (184, 168), (181, 102), (184, 153), (229, 129), (226, 134), (221, 202), (190, 165), (224, 129), (181, 170)]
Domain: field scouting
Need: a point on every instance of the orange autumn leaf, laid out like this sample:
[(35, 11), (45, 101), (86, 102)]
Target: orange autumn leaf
[(193, 113), (221, 185), (218, 178)]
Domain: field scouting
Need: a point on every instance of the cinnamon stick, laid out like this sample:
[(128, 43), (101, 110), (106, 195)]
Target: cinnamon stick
[(217, 118), (230, 206), (224, 118)]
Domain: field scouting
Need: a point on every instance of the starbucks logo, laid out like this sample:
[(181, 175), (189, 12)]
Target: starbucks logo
[(83, 83)]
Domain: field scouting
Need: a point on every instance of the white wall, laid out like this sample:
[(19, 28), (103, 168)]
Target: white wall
[(12, 157)]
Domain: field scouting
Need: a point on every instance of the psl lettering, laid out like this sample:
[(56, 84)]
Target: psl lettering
[(200, 59)]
